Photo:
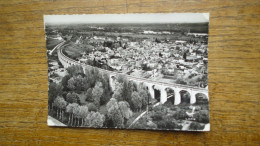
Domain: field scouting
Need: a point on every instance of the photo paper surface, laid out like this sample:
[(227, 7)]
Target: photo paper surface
[(128, 71)]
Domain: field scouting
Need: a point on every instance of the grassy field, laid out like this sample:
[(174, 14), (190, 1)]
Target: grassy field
[(51, 43), (75, 50)]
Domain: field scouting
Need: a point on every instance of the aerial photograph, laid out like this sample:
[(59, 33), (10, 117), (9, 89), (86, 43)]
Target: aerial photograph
[(128, 71)]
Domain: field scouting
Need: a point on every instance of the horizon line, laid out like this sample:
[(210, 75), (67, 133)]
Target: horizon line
[(149, 18)]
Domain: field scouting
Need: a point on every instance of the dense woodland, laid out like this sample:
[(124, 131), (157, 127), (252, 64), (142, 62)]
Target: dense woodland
[(87, 99)]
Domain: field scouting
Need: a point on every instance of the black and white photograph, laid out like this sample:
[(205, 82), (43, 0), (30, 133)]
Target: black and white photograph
[(128, 71)]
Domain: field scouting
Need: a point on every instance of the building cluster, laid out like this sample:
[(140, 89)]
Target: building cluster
[(151, 59)]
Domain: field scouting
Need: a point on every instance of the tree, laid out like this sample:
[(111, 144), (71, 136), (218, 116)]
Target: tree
[(97, 92), (125, 90), (96, 74), (69, 109), (75, 112), (125, 110), (129, 91), (168, 123), (60, 104), (137, 101), (90, 76), (118, 93), (121, 79), (75, 70), (202, 116), (83, 112), (196, 126), (117, 118), (114, 113), (107, 91), (54, 91), (64, 81), (111, 104), (94, 119), (180, 115), (77, 83), (92, 107), (89, 96), (71, 84), (72, 97), (144, 95)]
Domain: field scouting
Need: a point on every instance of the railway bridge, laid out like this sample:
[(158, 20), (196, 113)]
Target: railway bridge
[(154, 87)]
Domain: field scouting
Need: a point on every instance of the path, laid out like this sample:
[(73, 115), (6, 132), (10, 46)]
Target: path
[(186, 125), (142, 114)]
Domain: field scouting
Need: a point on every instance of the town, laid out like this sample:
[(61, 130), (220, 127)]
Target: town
[(165, 60)]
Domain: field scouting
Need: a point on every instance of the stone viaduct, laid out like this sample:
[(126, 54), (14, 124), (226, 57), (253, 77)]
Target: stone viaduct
[(151, 85)]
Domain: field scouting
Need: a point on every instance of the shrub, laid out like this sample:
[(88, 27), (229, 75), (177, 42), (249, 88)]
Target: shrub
[(158, 112), (89, 95), (160, 108), (202, 116), (72, 97), (196, 126), (180, 115), (175, 108), (157, 116), (92, 107), (94, 119), (140, 124), (168, 123)]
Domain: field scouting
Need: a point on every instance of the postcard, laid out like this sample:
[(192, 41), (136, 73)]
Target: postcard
[(128, 71)]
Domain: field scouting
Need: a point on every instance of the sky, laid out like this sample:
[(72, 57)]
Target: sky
[(128, 18)]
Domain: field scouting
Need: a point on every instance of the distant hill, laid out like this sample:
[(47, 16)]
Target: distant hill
[(172, 27)]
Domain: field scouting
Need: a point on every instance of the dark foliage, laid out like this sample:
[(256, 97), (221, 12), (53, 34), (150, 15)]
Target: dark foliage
[(72, 97), (54, 91), (196, 126), (64, 82), (202, 116), (180, 115), (75, 70), (168, 123), (157, 116)]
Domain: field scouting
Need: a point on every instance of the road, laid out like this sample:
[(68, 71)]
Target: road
[(60, 44)]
